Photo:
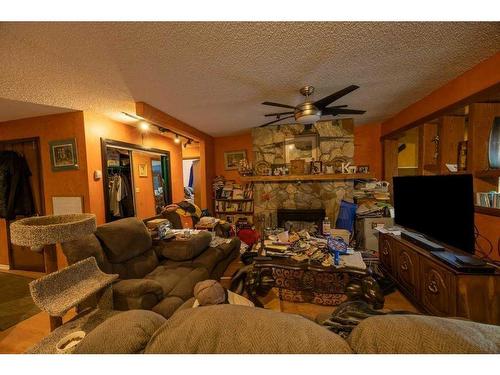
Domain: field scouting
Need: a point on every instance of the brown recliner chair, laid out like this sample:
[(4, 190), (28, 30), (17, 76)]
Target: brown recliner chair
[(160, 277)]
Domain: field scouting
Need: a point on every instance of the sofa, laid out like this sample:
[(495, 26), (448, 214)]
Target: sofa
[(242, 329), (156, 276)]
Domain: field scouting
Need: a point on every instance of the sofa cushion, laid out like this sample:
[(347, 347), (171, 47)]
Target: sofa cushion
[(124, 333), (185, 249), (168, 278), (137, 267), (124, 239), (241, 329), (168, 306), (227, 248), (209, 258), (185, 287), (86, 247), (419, 334)]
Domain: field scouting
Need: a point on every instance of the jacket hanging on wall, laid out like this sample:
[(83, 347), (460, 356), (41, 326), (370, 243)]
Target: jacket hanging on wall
[(16, 197)]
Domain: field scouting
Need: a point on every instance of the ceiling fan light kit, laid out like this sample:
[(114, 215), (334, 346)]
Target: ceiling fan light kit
[(309, 112)]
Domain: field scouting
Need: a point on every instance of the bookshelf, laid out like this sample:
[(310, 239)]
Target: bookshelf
[(471, 123), (487, 211), (234, 201)]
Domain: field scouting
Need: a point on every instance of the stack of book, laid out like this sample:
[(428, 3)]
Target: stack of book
[(491, 199), (372, 199)]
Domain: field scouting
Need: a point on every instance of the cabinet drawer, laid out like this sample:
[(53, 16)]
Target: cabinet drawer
[(407, 269), (385, 254), (437, 288)]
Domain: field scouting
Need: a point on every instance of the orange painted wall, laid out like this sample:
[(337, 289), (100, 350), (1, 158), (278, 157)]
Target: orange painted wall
[(231, 143), (64, 183), (368, 148), (97, 127), (144, 199), (191, 152)]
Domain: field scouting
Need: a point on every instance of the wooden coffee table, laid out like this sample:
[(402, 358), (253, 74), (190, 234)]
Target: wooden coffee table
[(310, 282)]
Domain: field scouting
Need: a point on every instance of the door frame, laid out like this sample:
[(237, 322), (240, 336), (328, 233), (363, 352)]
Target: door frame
[(131, 147), (36, 141)]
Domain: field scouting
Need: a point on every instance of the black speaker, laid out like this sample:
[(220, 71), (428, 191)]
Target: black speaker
[(494, 145)]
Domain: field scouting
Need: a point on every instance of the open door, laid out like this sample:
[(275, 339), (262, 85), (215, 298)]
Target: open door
[(19, 257)]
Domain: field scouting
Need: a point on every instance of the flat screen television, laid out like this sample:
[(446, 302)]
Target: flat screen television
[(439, 207)]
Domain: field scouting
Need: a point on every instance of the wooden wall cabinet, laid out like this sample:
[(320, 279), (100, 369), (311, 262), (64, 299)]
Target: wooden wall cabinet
[(436, 288)]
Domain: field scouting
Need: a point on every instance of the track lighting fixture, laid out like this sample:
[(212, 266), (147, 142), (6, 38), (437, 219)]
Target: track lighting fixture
[(145, 126)]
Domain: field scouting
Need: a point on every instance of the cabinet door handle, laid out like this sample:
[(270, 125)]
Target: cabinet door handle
[(433, 288), (404, 266)]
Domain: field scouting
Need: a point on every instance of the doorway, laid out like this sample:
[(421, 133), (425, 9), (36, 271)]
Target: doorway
[(192, 180), (137, 181), (20, 257)]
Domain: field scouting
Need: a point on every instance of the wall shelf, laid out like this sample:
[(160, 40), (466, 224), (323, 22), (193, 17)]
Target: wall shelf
[(488, 173), (487, 210), (310, 177)]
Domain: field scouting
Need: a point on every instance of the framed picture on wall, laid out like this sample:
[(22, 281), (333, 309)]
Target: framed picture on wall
[(143, 170), (232, 159), (301, 147), (63, 155)]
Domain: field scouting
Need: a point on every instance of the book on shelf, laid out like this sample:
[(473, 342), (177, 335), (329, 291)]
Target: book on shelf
[(236, 191), (230, 206), (488, 199)]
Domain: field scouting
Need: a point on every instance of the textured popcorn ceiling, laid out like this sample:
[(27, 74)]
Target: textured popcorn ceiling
[(215, 75)]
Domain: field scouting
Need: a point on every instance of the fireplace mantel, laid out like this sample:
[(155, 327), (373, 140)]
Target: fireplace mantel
[(309, 177)]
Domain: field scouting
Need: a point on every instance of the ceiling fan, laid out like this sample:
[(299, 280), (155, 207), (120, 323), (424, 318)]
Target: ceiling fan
[(309, 111)]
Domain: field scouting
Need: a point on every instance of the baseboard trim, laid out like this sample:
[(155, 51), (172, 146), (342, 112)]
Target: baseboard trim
[(5, 267)]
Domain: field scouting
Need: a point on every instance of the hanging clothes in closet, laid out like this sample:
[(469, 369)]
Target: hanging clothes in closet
[(120, 196), (16, 196)]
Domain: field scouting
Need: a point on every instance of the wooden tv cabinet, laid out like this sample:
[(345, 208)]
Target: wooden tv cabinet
[(437, 288)]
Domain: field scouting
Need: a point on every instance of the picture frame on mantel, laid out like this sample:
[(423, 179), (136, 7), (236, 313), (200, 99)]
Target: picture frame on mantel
[(63, 155), (232, 159), (303, 147)]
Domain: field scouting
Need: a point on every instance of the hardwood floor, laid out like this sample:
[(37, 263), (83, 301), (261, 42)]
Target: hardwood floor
[(20, 337)]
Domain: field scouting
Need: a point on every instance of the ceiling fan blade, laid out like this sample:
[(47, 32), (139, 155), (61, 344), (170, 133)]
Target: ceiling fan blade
[(322, 103), (278, 105), (341, 111), (272, 122), (279, 114)]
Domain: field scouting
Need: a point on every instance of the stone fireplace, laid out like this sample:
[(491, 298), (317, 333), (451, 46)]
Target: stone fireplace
[(334, 139)]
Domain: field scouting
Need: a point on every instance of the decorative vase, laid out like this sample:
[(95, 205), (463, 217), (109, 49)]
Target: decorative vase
[(494, 145)]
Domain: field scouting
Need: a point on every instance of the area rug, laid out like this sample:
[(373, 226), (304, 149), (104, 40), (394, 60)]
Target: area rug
[(16, 304)]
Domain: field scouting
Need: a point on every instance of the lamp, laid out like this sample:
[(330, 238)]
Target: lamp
[(307, 113), (42, 233)]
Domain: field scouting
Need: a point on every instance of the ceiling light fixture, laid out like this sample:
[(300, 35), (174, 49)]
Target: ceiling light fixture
[(144, 126), (177, 139)]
